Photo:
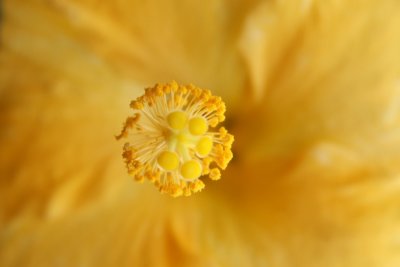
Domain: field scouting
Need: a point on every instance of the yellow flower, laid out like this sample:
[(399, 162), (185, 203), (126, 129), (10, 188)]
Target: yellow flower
[(313, 99)]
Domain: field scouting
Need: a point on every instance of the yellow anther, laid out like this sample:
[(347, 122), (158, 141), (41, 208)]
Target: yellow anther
[(175, 191), (168, 160), (228, 140), (206, 165), (191, 169), (204, 146), (223, 132), (152, 177), (177, 120), (159, 91), (136, 104), (129, 124), (214, 122), (196, 186), (174, 86), (198, 126), (215, 174)]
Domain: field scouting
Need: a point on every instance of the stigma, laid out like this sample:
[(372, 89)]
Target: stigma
[(173, 139)]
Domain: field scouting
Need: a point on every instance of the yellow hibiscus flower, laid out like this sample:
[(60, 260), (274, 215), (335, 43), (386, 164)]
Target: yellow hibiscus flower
[(313, 98)]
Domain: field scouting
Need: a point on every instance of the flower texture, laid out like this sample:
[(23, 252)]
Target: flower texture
[(312, 98)]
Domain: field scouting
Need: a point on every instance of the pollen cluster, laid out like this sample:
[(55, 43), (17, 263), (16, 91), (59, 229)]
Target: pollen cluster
[(173, 138)]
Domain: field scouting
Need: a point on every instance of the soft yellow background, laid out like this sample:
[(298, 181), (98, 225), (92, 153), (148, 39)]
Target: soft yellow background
[(313, 96)]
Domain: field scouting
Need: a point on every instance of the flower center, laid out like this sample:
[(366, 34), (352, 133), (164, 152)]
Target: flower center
[(170, 139), (184, 136)]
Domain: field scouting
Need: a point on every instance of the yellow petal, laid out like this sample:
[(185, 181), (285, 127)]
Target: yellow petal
[(315, 180), (148, 41), (324, 71)]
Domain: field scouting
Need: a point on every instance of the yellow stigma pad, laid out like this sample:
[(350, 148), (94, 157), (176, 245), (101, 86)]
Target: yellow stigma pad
[(204, 146), (169, 161), (198, 126), (191, 169), (177, 120)]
